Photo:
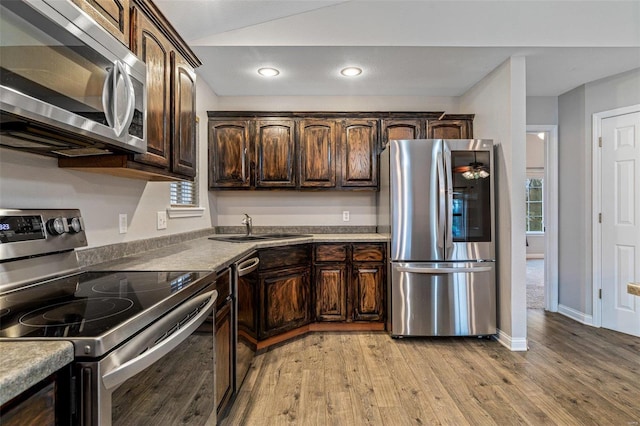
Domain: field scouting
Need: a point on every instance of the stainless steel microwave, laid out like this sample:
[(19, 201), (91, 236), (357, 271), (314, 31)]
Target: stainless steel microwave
[(67, 86)]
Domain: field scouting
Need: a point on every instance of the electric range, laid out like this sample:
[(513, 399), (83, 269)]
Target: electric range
[(119, 322)]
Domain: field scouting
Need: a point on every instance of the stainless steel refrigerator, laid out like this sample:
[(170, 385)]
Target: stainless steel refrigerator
[(436, 200)]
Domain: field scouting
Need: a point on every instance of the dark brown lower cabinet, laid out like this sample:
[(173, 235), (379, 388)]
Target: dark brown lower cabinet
[(284, 300), (224, 342), (349, 282), (367, 281), (46, 403), (224, 357), (331, 292)]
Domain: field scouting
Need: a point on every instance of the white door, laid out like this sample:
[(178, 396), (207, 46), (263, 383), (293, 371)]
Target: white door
[(620, 222)]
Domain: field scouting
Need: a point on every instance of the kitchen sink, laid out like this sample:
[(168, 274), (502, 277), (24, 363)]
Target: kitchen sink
[(258, 237)]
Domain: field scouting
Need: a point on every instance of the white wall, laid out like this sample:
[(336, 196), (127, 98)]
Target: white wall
[(31, 181), (296, 208), (337, 103), (575, 111), (499, 102), (542, 110), (317, 208)]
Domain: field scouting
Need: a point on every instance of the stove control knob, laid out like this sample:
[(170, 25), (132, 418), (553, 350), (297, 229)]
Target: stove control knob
[(75, 225), (56, 226)]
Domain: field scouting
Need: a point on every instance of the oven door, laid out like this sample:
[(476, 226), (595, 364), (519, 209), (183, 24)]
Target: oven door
[(163, 376)]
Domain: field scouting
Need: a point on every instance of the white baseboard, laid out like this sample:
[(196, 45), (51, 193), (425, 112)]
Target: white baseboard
[(514, 345), (575, 315)]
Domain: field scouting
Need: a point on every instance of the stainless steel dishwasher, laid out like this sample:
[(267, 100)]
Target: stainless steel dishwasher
[(245, 290)]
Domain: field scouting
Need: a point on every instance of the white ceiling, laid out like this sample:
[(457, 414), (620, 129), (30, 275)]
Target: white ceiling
[(406, 47)]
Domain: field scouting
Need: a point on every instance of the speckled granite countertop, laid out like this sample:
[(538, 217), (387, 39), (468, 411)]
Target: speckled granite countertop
[(633, 288), (203, 254), (23, 364)]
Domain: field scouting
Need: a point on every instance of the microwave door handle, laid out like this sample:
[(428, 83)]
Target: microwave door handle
[(107, 94), (130, 368), (129, 94)]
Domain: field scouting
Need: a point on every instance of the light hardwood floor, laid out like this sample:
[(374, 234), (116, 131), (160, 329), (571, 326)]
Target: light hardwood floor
[(572, 375)]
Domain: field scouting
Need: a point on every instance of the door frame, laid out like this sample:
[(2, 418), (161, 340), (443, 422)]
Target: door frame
[(550, 215), (596, 207)]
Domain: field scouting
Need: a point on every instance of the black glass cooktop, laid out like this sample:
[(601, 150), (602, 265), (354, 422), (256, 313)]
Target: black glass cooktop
[(90, 304)]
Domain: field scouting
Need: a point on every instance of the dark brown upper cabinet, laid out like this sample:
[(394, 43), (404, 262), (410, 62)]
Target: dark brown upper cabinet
[(229, 154), (154, 49), (275, 154), (359, 153), (313, 150), (317, 153), (112, 15), (171, 109), (400, 129), (450, 129), (183, 158)]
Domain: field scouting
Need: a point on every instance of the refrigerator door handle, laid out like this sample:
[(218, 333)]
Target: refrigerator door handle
[(442, 270), (442, 210), (449, 197)]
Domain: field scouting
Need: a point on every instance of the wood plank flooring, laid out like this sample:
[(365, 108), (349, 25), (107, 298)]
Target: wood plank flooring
[(572, 375)]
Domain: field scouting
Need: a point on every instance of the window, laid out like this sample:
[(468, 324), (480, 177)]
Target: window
[(184, 194), (535, 216)]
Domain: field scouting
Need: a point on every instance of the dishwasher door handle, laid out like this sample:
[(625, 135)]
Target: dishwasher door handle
[(248, 266)]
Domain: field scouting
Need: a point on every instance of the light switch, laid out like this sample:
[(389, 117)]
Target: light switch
[(162, 220)]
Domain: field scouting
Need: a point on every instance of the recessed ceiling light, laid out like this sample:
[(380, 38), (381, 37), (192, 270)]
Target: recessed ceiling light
[(351, 71), (268, 72)]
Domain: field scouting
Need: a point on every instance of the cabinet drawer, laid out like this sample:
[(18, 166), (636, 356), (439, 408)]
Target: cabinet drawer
[(368, 252), (331, 252), (278, 257)]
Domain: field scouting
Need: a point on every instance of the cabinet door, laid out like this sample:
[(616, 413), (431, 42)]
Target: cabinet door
[(155, 50), (368, 295), (275, 154), (229, 148), (284, 298), (112, 15), (183, 157), (317, 145), (397, 129), (449, 129), (330, 282), (359, 157), (224, 357)]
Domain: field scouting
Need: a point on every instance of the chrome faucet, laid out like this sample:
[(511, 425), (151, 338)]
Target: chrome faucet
[(248, 223)]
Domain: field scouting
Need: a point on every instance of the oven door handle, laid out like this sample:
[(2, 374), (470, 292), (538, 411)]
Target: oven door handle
[(130, 368)]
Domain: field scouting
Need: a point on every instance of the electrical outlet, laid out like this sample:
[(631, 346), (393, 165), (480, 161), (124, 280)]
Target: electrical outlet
[(345, 216), (162, 220), (122, 220)]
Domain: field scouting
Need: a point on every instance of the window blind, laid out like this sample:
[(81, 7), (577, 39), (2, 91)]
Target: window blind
[(184, 194)]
